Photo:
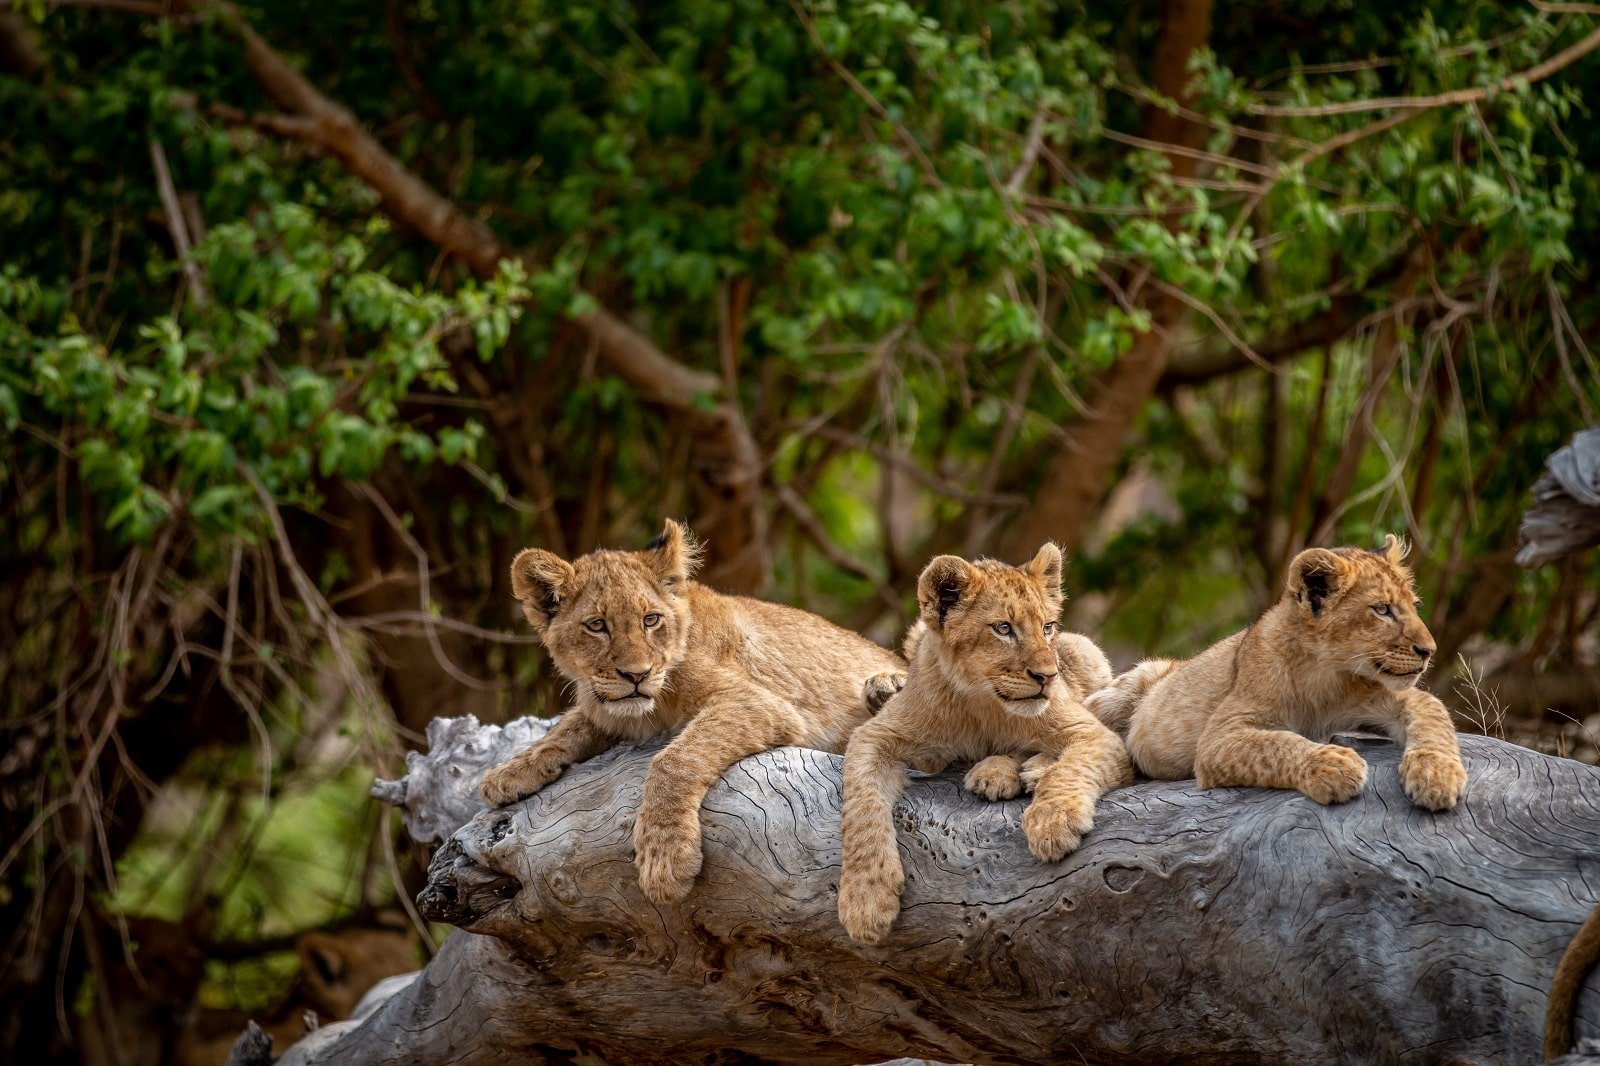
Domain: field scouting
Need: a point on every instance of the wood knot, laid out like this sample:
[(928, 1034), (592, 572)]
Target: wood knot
[(1122, 878)]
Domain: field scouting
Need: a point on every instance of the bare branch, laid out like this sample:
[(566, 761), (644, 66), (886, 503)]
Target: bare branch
[(1538, 72), (862, 91), (176, 224), (1030, 151), (807, 520)]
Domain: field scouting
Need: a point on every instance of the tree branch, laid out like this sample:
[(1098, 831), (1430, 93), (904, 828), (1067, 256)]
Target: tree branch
[(727, 462), (1077, 476), (176, 225), (1538, 72), (1388, 346), (1343, 318)]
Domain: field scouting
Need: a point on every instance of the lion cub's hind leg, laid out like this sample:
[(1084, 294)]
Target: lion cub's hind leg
[(1116, 703), (1084, 666), (1001, 777)]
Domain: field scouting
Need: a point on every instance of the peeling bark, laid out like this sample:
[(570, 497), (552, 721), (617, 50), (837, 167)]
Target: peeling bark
[(1236, 925)]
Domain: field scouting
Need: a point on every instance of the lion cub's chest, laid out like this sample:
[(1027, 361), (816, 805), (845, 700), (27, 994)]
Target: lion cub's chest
[(984, 733), (1323, 706), (665, 719)]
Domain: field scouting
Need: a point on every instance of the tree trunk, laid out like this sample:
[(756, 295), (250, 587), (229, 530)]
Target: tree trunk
[(1237, 925)]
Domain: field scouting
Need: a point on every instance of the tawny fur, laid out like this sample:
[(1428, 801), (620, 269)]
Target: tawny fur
[(1084, 670), (984, 680), (1342, 649), (731, 676), (1567, 985)]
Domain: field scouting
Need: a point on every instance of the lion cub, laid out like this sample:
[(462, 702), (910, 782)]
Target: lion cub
[(651, 651), (1343, 648), (984, 680)]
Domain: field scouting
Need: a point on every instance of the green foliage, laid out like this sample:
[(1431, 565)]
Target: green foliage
[(911, 236), (291, 375)]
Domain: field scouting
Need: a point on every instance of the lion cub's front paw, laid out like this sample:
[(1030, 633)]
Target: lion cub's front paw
[(880, 688), (868, 906), (515, 780), (668, 857), (994, 778), (1333, 774), (1034, 769), (1055, 829), (1433, 780)]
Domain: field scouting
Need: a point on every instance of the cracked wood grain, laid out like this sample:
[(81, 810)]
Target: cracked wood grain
[(1236, 925)]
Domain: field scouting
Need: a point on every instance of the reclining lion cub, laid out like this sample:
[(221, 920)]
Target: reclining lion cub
[(1342, 649), (1084, 670), (984, 680), (650, 651)]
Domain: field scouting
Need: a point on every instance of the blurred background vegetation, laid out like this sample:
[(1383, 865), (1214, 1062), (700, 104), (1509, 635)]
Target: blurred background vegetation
[(312, 314)]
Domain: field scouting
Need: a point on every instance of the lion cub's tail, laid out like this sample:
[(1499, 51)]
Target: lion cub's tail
[(1114, 705)]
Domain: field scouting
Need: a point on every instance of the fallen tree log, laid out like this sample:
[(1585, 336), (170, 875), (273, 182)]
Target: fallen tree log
[(1237, 925)]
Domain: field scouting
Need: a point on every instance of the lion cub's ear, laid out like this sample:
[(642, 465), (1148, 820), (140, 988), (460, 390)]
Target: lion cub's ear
[(944, 581), (540, 580), (1395, 549), (674, 555), (1045, 567), (1314, 575)]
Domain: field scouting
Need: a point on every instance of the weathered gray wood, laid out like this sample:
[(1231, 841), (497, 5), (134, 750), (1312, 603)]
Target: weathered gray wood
[(1238, 925), (439, 790), (1565, 516)]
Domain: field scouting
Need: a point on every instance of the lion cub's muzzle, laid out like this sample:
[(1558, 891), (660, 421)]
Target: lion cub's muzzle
[(628, 692), (631, 706), (1027, 696), (1401, 668)]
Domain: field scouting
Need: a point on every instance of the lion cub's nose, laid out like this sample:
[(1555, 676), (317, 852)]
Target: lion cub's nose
[(635, 676), (1043, 677), (1423, 650)]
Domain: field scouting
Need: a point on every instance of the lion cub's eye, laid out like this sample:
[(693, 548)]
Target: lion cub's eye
[(1049, 629), (652, 620), (1002, 628), (1384, 610), (595, 625)]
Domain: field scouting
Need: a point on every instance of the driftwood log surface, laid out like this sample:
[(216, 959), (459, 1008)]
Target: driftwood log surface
[(1236, 925)]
